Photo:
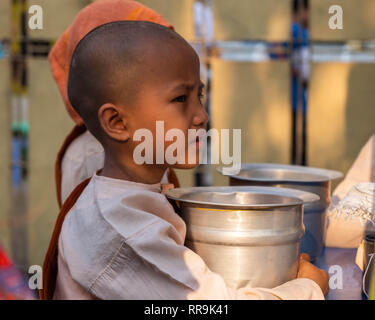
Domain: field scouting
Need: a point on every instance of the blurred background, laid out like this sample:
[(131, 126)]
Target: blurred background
[(301, 92)]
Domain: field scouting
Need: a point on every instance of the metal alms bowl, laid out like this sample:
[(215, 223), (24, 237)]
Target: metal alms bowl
[(308, 179), (248, 235)]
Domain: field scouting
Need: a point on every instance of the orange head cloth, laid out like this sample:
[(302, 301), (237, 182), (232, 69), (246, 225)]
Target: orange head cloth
[(92, 16)]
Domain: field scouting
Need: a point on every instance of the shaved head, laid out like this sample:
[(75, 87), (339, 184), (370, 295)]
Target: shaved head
[(111, 62)]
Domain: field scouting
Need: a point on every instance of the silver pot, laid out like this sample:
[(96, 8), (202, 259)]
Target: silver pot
[(309, 179), (248, 235)]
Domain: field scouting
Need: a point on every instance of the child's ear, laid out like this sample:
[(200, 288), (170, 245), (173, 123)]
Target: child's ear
[(113, 122)]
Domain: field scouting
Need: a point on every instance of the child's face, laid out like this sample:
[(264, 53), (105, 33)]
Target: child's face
[(171, 92)]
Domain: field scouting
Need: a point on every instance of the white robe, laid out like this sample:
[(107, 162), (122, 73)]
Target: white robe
[(84, 157), (123, 240), (348, 233)]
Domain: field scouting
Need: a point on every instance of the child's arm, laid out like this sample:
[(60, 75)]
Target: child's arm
[(309, 271)]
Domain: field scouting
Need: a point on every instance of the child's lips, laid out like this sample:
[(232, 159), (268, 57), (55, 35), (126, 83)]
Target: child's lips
[(197, 141)]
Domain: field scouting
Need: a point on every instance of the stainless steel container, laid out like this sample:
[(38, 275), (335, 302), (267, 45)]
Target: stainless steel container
[(309, 179), (248, 235)]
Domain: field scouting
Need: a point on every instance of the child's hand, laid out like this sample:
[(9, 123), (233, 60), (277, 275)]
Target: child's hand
[(309, 271)]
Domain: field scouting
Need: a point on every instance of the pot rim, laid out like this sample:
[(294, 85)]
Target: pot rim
[(297, 197), (321, 175)]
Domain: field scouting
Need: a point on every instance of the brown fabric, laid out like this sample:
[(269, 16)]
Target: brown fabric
[(166, 186), (172, 178), (50, 260), (76, 132)]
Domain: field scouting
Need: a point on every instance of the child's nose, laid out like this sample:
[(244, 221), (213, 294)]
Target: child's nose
[(201, 119)]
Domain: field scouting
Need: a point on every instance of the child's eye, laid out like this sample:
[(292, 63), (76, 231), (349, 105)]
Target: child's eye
[(201, 96), (180, 99)]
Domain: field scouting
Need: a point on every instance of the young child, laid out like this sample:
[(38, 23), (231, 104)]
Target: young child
[(81, 154), (122, 239)]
